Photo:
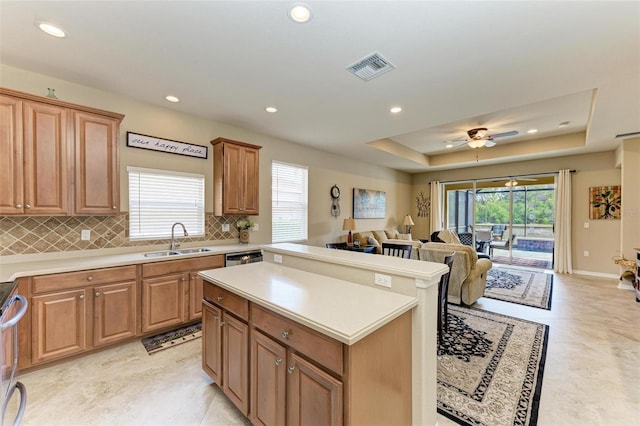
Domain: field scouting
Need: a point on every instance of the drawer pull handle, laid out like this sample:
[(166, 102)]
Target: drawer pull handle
[(215, 317), (18, 206), (285, 334), (113, 207), (278, 361), (28, 206), (219, 298), (291, 369), (97, 294), (222, 323), (89, 278), (81, 297)]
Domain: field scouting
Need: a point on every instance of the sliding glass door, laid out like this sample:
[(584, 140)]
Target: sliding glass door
[(510, 219)]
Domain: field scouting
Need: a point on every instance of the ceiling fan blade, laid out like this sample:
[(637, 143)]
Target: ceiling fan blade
[(490, 143), (505, 134)]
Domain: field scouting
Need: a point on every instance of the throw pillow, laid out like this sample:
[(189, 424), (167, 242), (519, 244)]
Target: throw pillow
[(380, 236), (404, 237), (372, 241), (392, 234)]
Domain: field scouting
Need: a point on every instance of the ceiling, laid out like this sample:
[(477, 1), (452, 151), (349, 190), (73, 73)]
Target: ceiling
[(459, 65)]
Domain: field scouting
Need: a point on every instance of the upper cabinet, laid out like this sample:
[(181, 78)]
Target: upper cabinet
[(235, 178), (57, 158)]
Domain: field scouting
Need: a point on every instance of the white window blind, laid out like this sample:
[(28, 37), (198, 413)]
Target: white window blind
[(289, 200), (159, 198)]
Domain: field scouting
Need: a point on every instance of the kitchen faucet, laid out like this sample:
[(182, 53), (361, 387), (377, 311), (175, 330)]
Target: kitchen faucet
[(174, 244)]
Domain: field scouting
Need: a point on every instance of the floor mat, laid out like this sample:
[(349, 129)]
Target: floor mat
[(522, 286), (172, 338)]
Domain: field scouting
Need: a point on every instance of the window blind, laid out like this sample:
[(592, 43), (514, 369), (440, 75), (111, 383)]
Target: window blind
[(289, 202), (160, 198)]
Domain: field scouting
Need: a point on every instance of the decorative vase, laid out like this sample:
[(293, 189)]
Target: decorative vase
[(244, 235)]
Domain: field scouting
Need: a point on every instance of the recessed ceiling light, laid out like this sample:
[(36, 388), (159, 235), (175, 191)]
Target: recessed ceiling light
[(300, 13), (271, 109), (564, 124), (532, 131), (51, 29), (396, 109), (172, 99)]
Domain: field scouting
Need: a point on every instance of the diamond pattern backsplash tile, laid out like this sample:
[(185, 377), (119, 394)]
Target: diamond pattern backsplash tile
[(48, 234)]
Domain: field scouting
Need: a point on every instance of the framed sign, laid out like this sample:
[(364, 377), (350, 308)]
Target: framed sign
[(136, 140), (368, 204)]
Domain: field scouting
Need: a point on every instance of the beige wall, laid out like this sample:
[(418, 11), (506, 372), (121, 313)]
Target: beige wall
[(325, 169), (601, 239)]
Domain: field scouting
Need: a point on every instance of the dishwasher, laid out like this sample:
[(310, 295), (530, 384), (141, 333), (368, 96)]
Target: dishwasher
[(242, 258)]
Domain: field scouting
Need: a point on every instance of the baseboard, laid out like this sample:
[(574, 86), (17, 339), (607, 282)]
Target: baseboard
[(596, 274)]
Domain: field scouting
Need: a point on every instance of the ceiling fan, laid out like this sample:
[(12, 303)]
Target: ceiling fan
[(479, 137)]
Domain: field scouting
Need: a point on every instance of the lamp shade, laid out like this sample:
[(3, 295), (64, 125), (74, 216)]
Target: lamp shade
[(408, 221), (349, 224)]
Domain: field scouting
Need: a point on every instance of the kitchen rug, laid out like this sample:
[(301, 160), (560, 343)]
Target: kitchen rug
[(490, 368), (522, 286), (172, 338)]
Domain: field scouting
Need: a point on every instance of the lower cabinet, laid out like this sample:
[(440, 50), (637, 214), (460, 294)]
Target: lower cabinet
[(114, 312)]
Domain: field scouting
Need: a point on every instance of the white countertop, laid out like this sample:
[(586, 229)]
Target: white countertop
[(340, 309), (12, 267), (412, 268)]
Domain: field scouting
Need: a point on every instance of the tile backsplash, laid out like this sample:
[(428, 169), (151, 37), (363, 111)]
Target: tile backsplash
[(48, 234)]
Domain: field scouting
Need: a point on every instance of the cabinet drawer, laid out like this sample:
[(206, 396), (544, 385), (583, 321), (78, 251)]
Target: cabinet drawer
[(45, 283), (317, 346), (227, 300), (183, 265)]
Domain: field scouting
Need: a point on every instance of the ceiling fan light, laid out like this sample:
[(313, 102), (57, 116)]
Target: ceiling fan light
[(477, 143)]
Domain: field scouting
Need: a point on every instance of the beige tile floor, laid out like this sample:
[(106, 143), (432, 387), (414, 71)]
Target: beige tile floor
[(592, 373)]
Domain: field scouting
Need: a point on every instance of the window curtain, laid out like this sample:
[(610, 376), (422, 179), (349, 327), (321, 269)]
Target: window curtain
[(562, 249), (435, 214)]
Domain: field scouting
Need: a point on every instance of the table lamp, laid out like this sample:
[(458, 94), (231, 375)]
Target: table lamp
[(349, 225), (408, 223)]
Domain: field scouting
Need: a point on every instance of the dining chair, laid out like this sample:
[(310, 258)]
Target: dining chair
[(398, 250), (339, 246), (443, 289)]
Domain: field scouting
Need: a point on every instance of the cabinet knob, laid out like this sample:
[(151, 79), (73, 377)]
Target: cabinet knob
[(28, 206), (285, 334), (81, 297), (113, 207), (278, 361), (291, 369), (97, 294), (215, 317), (222, 323), (219, 298), (18, 206), (89, 278)]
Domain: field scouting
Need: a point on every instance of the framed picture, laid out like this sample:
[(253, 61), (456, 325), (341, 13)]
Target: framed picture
[(137, 140), (368, 204), (604, 202)]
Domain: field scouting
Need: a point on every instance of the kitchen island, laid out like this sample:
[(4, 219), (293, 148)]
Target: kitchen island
[(283, 343)]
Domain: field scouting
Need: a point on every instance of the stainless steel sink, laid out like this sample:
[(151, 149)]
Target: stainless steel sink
[(176, 252), (162, 253), (195, 250)]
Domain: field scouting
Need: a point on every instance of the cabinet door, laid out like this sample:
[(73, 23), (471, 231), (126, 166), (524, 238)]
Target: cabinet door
[(212, 341), (233, 179), (46, 162), (268, 381), (313, 396), (96, 164), (235, 361), (11, 167), (58, 324), (195, 296), (8, 336), (114, 312), (162, 302), (250, 182)]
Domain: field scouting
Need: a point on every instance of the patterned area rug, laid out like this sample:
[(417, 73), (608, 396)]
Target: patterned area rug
[(525, 287), (520, 261), (172, 338), (490, 368)]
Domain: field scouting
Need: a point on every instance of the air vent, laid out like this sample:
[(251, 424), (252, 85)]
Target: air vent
[(371, 67), (626, 135)]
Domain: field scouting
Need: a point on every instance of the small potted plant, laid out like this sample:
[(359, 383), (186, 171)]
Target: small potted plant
[(244, 225)]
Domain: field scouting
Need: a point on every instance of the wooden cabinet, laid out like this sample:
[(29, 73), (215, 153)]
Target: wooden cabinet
[(268, 380), (8, 337), (226, 343), (57, 158), (235, 178), (73, 312), (97, 187), (172, 291)]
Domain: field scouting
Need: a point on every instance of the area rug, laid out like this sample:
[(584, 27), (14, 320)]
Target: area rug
[(172, 338), (522, 286), (522, 261), (490, 368)]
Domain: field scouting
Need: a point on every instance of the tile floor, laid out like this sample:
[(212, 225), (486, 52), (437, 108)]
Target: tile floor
[(592, 372)]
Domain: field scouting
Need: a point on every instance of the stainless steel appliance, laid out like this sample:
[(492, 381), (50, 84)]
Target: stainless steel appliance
[(9, 318), (250, 256)]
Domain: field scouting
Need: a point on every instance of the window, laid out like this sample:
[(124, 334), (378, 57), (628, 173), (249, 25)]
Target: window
[(289, 199), (160, 198)]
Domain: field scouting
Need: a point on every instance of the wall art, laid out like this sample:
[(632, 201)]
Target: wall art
[(604, 202), (369, 204), (136, 140)]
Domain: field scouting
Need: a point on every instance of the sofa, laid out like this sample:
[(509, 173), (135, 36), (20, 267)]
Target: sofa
[(468, 277), (376, 238)]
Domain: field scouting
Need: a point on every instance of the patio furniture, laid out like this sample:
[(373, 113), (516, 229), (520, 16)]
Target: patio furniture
[(501, 244)]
